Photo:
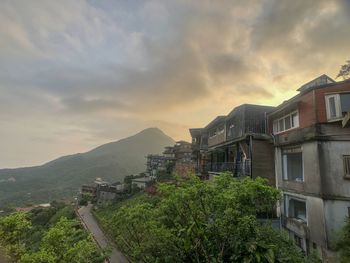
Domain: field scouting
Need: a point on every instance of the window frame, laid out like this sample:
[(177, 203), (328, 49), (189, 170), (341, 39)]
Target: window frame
[(276, 122), (287, 198), (346, 166), (336, 97), (284, 153)]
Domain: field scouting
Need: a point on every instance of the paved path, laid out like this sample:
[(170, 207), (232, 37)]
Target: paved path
[(3, 258), (90, 222)]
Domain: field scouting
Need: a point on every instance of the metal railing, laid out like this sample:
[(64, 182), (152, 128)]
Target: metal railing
[(242, 168)]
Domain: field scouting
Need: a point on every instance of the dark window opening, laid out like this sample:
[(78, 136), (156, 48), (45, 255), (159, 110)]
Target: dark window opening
[(346, 161)]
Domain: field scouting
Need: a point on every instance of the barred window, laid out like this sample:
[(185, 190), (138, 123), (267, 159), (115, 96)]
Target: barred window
[(346, 160)]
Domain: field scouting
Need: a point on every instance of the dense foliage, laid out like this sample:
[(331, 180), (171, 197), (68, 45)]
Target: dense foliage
[(201, 221), (344, 243), (47, 236)]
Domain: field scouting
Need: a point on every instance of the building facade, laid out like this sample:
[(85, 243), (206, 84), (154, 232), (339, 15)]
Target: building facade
[(312, 162), (236, 143)]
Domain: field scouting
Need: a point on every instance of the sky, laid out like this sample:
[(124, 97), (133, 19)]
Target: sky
[(77, 74)]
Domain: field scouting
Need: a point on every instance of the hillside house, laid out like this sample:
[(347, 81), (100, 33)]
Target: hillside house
[(101, 191), (312, 161), (157, 163), (142, 182), (199, 150), (236, 143), (169, 152), (183, 152)]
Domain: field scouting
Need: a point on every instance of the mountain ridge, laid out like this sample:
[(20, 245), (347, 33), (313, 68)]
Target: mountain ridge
[(61, 177)]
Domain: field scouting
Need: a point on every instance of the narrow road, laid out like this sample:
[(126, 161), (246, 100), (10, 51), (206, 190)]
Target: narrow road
[(91, 224), (3, 258)]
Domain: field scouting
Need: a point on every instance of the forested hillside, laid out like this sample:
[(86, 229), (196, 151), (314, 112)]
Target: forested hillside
[(61, 178)]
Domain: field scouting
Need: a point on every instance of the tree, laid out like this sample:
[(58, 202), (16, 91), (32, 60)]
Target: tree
[(14, 230), (65, 242), (344, 71), (203, 221), (47, 236), (343, 243)]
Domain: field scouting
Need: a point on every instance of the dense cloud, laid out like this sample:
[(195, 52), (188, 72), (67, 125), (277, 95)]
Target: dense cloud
[(74, 74)]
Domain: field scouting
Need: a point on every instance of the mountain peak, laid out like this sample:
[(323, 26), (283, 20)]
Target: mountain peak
[(62, 177), (154, 130)]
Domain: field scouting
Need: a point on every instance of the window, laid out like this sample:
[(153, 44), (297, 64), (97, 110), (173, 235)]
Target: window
[(345, 102), (212, 133), (346, 161), (221, 130), (286, 123), (295, 208), (337, 105), (292, 164), (333, 106)]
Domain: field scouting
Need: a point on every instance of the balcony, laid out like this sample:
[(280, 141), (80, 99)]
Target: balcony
[(242, 168)]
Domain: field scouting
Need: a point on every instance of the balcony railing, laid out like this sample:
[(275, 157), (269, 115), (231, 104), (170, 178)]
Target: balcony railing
[(236, 168)]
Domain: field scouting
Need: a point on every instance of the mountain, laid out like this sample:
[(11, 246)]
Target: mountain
[(61, 178)]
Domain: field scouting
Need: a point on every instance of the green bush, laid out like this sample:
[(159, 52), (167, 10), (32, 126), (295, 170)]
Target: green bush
[(201, 221), (343, 244)]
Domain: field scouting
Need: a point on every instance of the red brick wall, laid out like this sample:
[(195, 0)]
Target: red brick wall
[(307, 115), (320, 101), (312, 106)]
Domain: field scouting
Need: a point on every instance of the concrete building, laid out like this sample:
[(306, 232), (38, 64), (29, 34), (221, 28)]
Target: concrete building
[(143, 182), (169, 152), (101, 192), (183, 152), (237, 143), (312, 162), (157, 163), (199, 150)]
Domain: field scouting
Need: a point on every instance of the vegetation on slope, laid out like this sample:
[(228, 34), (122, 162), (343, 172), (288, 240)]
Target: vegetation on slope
[(201, 221), (47, 236), (61, 178), (344, 243)]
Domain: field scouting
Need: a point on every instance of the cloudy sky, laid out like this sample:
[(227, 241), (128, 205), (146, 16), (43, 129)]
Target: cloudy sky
[(76, 74)]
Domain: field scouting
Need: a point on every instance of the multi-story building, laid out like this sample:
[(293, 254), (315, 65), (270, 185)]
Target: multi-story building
[(169, 152), (236, 143), (101, 192), (183, 152), (199, 150), (312, 161), (157, 163)]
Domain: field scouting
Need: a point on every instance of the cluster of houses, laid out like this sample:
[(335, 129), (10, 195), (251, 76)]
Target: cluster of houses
[(302, 147), (101, 192), (174, 158)]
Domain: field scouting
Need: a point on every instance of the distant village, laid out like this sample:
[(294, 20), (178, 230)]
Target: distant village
[(302, 147)]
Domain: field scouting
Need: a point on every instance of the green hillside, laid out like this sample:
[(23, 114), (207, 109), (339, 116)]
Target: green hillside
[(61, 178)]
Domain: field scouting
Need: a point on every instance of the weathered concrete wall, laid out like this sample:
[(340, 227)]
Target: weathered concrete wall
[(316, 226), (335, 213), (326, 191), (334, 185), (312, 181)]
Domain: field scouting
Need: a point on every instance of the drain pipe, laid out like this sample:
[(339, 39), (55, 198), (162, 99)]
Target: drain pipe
[(278, 202)]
